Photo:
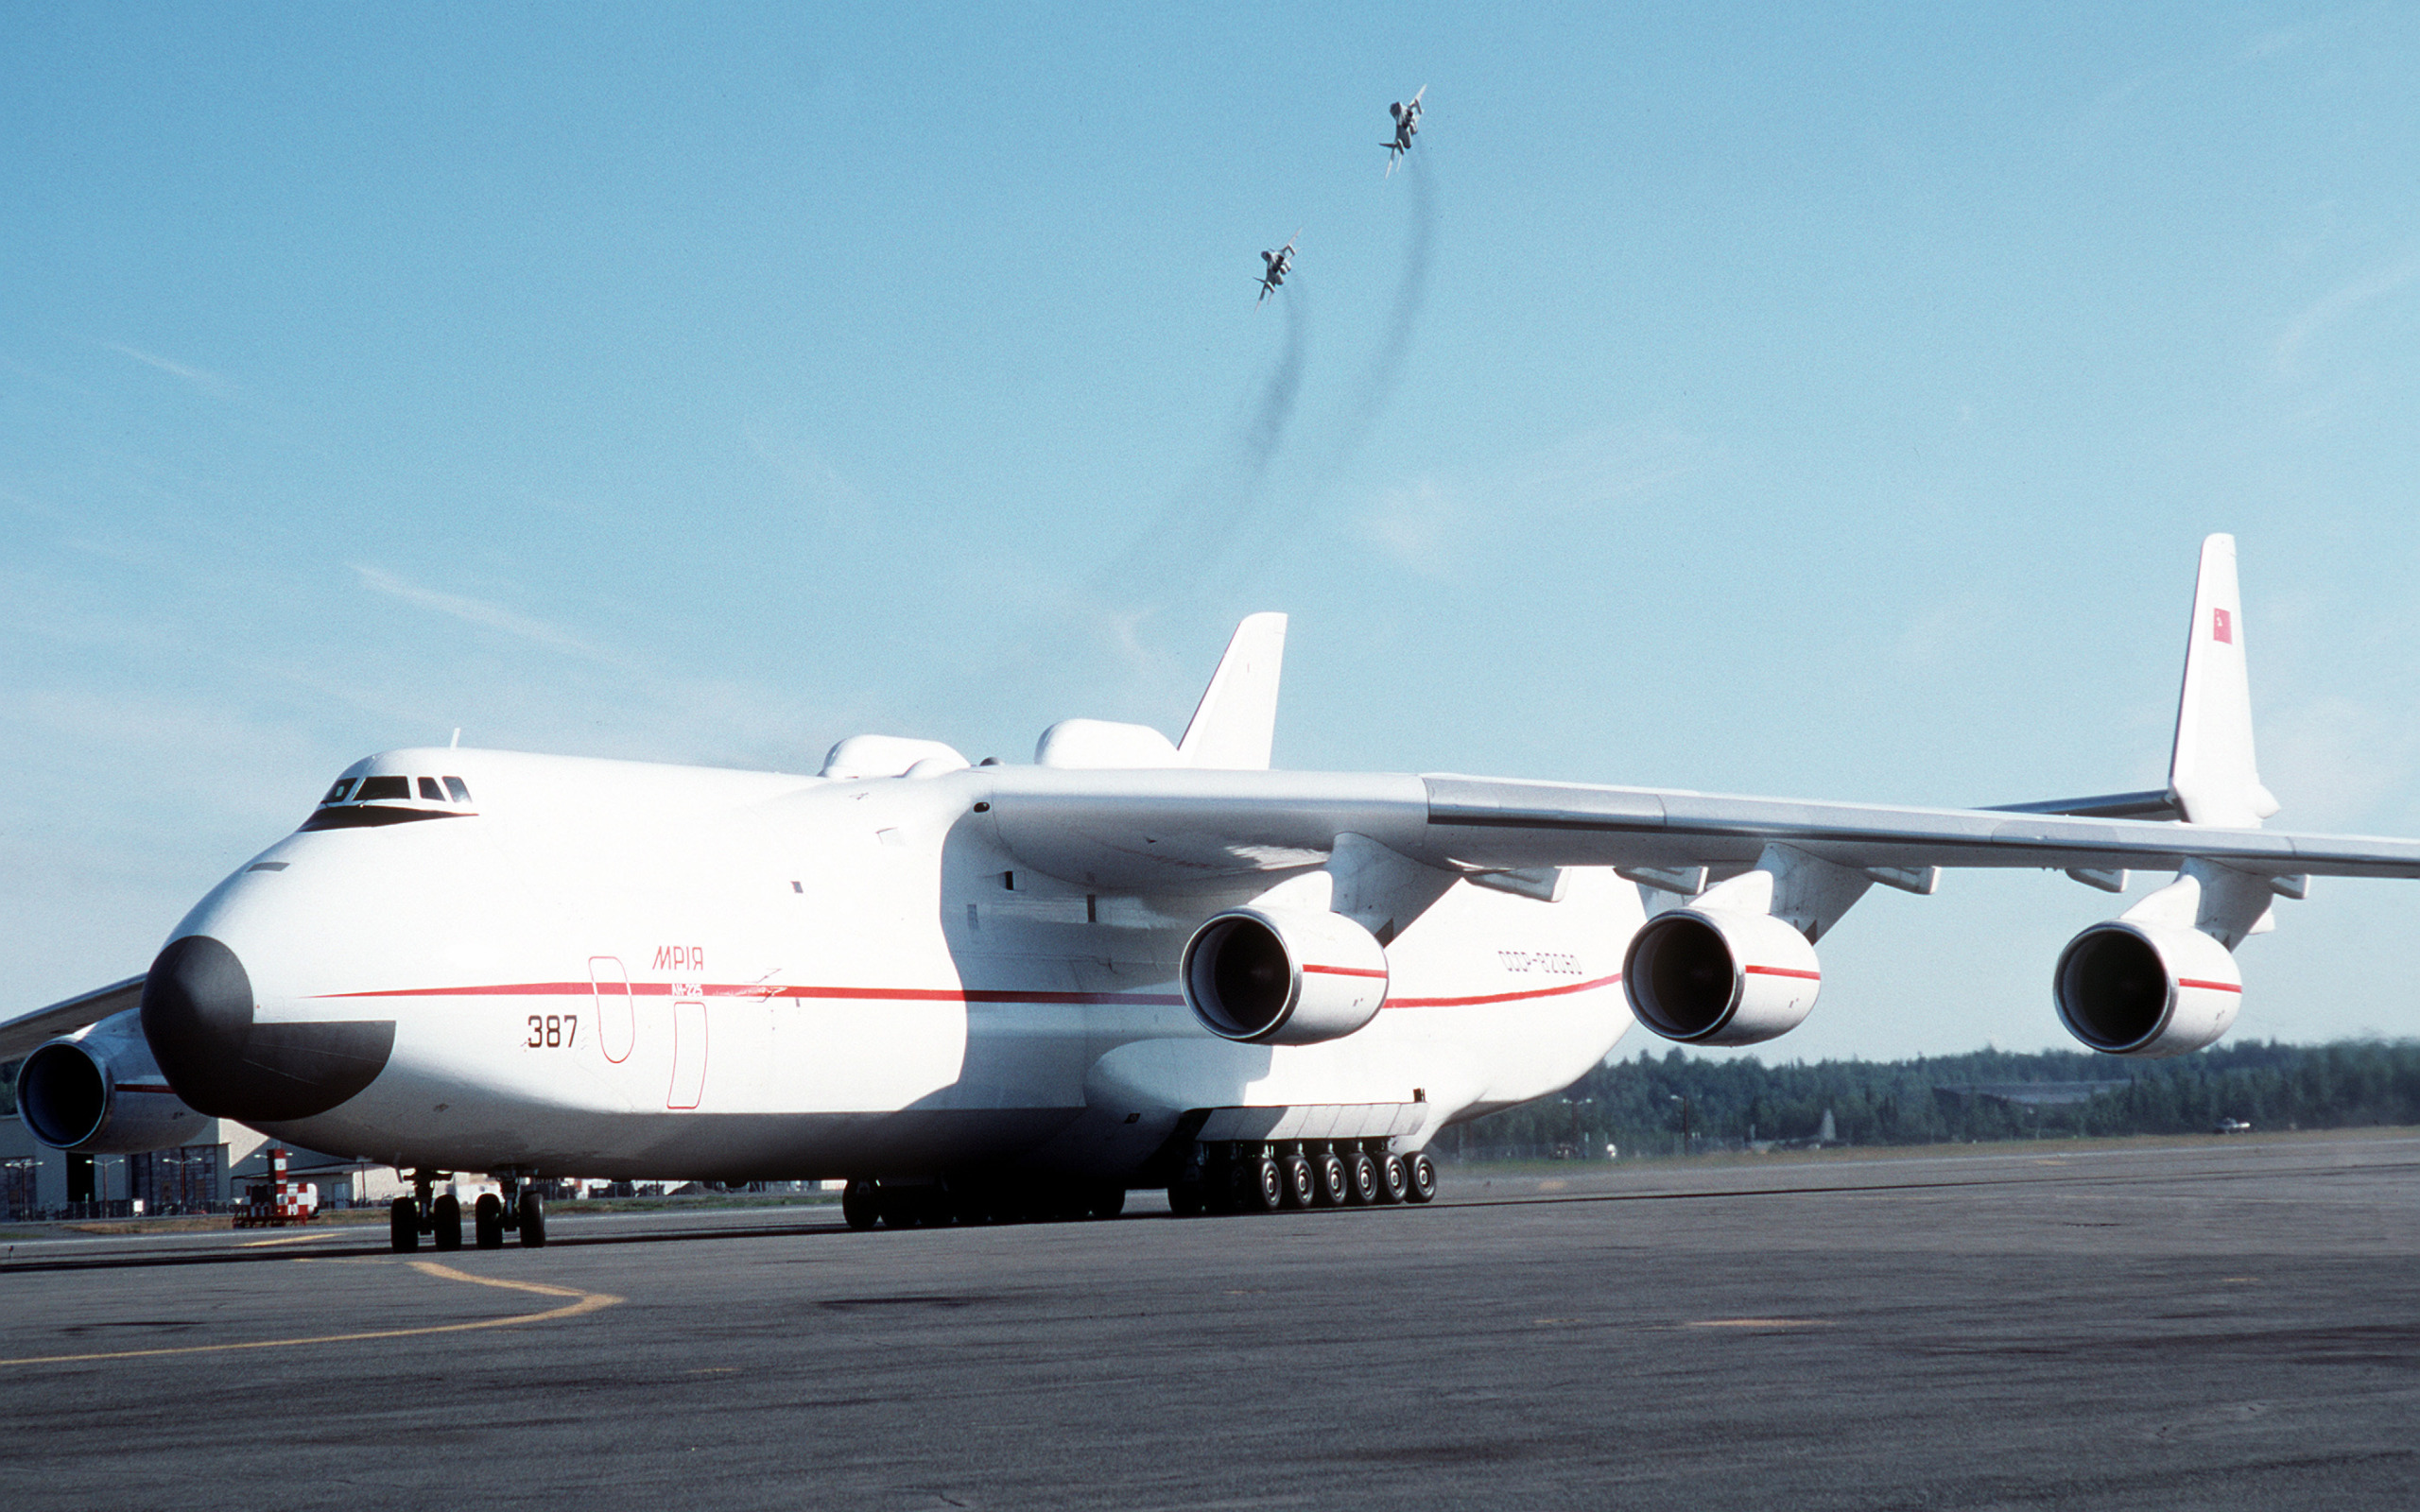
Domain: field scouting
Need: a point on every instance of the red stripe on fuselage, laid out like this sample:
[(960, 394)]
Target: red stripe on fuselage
[(1564, 991), (931, 994)]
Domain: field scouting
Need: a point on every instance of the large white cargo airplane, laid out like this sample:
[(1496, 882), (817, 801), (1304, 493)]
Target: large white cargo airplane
[(981, 992)]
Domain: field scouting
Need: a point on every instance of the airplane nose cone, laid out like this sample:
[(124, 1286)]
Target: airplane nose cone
[(197, 1000), (199, 1015)]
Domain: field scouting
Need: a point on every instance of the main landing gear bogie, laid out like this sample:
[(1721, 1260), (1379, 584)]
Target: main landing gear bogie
[(518, 1209), (1224, 1178)]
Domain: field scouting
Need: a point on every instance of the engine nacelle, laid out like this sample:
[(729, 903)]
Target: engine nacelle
[(99, 1091), (1283, 976), (1719, 976), (2134, 989)]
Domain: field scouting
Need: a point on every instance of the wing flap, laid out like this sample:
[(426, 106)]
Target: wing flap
[(1148, 829)]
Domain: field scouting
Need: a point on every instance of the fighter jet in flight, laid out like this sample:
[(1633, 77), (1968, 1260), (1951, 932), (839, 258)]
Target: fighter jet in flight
[(1277, 266), (1407, 115)]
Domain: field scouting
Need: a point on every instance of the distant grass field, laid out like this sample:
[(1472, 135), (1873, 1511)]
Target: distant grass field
[(1851, 1154)]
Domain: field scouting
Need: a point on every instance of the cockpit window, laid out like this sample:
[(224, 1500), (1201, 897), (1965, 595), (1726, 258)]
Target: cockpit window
[(335, 794), (429, 790), (460, 791), (374, 788)]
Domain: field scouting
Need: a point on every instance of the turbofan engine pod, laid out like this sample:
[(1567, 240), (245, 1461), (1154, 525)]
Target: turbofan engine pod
[(1283, 976), (1719, 976), (2131, 988), (99, 1091)]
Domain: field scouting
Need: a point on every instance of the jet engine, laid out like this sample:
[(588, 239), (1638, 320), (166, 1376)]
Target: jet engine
[(1283, 976), (2132, 988), (1719, 976), (99, 1091)]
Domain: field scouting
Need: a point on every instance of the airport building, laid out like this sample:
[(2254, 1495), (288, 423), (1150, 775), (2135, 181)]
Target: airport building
[(207, 1175)]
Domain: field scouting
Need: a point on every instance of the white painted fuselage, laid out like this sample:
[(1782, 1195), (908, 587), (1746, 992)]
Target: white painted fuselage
[(616, 969)]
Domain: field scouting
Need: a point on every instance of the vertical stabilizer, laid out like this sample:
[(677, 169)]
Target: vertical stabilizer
[(1237, 719), (2211, 775)]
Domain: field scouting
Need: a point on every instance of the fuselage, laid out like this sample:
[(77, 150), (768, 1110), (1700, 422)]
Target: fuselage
[(585, 968)]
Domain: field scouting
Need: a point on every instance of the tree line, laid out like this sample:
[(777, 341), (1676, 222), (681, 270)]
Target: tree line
[(1649, 1106)]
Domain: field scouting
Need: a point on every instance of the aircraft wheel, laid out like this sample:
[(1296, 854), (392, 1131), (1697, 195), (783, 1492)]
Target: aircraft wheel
[(1269, 1189), (533, 1221), (403, 1225), (447, 1213), (1394, 1179), (1335, 1184), (1105, 1202), (1185, 1198), (861, 1205), (487, 1221), (1302, 1182), (1424, 1179), (1362, 1179)]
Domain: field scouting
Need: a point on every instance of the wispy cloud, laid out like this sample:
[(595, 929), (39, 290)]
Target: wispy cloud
[(215, 385), (478, 612), (2335, 306), (1431, 523), (1943, 633)]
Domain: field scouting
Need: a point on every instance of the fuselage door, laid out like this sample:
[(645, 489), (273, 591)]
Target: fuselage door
[(688, 1056), (616, 1025)]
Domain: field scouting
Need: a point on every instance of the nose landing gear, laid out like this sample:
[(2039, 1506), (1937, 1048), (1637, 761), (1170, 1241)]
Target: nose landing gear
[(519, 1209)]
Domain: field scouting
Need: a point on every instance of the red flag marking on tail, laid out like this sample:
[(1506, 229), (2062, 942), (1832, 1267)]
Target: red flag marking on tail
[(2222, 627)]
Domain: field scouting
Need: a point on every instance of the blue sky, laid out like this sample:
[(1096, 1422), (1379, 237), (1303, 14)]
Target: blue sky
[(1747, 399)]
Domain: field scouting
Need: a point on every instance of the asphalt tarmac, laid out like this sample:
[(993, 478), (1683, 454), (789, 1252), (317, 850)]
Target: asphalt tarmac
[(2230, 1325)]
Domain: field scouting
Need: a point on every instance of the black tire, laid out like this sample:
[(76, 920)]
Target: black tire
[(861, 1205), (1394, 1180), (1336, 1182), (1105, 1202), (533, 1221), (1269, 1186), (487, 1221), (1362, 1179), (403, 1225), (446, 1214), (1185, 1197), (1302, 1182), (1424, 1179)]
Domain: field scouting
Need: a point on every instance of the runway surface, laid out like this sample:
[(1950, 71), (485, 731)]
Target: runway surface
[(2232, 1325)]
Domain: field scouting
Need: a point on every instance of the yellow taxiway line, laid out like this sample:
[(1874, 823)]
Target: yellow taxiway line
[(583, 1302)]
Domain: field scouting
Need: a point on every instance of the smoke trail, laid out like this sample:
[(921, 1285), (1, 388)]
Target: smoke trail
[(1275, 408), (1378, 382), (1193, 529)]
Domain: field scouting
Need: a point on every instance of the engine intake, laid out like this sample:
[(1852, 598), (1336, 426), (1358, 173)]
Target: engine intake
[(99, 1091), (1719, 976), (1282, 977), (2131, 988)]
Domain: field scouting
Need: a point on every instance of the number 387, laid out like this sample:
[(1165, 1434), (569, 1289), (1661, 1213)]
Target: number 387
[(552, 1031)]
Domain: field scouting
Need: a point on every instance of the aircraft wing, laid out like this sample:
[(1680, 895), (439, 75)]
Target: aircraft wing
[(23, 1033), (1145, 828)]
